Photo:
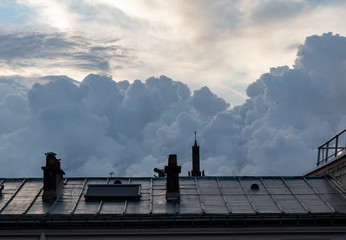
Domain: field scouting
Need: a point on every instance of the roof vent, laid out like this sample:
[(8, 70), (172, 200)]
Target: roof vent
[(160, 172), (117, 181), (254, 187), (172, 184)]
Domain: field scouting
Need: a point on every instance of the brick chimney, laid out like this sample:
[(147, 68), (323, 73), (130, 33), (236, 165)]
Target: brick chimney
[(172, 184), (52, 177)]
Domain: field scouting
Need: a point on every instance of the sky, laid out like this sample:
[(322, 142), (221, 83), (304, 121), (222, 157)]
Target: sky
[(120, 85), (222, 44)]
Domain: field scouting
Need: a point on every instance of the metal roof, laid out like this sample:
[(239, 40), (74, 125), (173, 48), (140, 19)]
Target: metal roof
[(198, 196)]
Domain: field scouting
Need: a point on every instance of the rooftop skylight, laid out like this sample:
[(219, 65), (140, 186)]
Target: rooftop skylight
[(113, 191)]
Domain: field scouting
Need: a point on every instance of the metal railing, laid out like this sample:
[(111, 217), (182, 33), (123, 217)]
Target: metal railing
[(332, 148)]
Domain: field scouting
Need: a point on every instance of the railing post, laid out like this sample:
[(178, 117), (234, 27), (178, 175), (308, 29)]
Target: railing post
[(327, 148), (318, 156), (336, 145)]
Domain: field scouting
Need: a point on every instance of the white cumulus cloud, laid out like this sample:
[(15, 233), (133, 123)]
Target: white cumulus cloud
[(100, 125)]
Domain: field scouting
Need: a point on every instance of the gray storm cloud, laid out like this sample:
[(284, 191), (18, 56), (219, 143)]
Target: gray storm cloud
[(30, 48), (100, 125)]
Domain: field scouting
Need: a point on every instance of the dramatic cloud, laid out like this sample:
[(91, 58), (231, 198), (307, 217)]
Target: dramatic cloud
[(33, 49), (222, 44), (100, 125)]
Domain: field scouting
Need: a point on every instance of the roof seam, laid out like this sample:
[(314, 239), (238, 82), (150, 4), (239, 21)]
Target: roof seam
[(272, 197), (13, 195), (32, 202), (151, 197), (337, 186), (79, 196), (101, 202), (126, 202), (319, 195), (199, 196), (295, 196), (223, 196), (56, 200), (177, 206), (247, 196)]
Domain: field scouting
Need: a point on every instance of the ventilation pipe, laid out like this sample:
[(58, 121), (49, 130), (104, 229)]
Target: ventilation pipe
[(52, 177), (172, 184), (160, 172)]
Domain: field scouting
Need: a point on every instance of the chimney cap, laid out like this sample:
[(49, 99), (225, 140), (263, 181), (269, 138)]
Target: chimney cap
[(50, 154), (172, 160)]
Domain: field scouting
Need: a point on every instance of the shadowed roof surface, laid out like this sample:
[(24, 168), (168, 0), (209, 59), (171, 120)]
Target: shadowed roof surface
[(199, 196)]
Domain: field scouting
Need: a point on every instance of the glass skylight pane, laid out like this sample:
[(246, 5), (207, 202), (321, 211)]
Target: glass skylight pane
[(113, 191)]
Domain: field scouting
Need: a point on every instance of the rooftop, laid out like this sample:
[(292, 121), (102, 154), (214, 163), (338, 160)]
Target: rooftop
[(169, 200), (200, 196)]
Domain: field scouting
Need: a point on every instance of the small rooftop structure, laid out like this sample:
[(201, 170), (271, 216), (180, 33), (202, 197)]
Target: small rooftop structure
[(172, 183), (195, 172), (331, 159), (52, 177), (112, 191), (332, 148)]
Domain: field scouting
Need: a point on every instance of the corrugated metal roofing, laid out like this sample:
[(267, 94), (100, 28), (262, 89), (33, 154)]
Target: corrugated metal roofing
[(198, 196)]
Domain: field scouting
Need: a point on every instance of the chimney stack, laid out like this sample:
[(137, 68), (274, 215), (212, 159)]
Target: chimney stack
[(52, 177), (172, 184)]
